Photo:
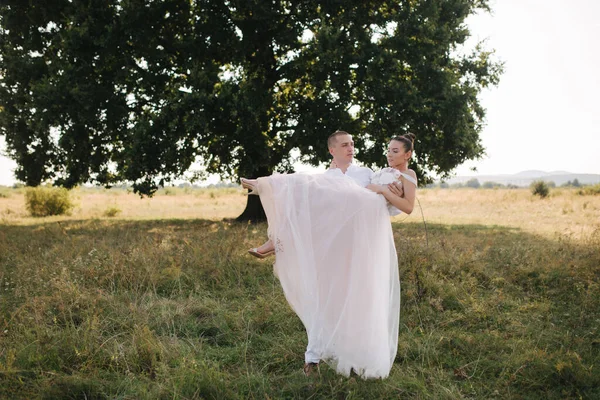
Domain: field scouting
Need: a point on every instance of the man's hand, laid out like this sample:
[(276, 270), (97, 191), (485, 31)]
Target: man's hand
[(375, 188), (396, 189)]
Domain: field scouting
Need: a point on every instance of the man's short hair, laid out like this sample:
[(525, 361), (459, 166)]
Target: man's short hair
[(332, 139)]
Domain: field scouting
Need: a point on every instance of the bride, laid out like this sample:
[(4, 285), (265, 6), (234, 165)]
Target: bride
[(336, 259)]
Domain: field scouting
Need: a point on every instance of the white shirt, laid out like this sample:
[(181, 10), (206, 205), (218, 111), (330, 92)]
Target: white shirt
[(361, 175)]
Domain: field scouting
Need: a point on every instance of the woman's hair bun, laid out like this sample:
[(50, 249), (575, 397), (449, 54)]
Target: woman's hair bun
[(410, 136)]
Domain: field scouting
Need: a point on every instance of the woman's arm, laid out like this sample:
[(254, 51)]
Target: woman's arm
[(404, 204)]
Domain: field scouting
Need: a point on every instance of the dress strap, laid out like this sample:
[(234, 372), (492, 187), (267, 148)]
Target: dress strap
[(409, 178)]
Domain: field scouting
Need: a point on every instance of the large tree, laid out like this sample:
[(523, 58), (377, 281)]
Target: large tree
[(111, 91)]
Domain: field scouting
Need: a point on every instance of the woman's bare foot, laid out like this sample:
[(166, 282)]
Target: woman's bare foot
[(250, 184), (266, 247)]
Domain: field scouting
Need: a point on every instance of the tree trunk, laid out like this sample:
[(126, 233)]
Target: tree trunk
[(253, 212)]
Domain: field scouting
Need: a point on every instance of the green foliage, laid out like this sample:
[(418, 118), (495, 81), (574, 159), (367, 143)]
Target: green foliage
[(45, 201), (136, 91), (540, 188)]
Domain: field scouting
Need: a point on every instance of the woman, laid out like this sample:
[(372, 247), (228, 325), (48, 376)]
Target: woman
[(336, 259)]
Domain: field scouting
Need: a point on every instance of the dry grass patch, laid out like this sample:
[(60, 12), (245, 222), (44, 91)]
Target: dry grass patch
[(563, 212), (214, 204)]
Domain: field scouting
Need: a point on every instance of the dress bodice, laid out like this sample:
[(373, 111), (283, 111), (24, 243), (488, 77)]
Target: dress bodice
[(389, 175)]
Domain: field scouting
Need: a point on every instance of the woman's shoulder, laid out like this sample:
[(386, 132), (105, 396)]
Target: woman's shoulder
[(411, 173)]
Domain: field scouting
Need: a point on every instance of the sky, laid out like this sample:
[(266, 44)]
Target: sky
[(545, 113)]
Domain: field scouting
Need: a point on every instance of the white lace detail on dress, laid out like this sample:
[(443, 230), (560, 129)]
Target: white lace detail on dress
[(279, 246), (385, 176)]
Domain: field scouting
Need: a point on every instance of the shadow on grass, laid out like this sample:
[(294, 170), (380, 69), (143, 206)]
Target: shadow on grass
[(497, 303), (176, 308)]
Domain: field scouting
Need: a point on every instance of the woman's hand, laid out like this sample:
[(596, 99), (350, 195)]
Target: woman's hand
[(396, 189)]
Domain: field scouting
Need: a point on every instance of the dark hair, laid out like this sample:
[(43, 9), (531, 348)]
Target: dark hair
[(333, 137), (407, 140)]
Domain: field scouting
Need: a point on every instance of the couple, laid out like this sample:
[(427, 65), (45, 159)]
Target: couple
[(335, 254)]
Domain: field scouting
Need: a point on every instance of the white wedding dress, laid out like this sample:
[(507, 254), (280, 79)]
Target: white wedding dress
[(337, 264)]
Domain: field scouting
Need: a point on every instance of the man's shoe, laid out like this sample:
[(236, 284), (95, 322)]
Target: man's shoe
[(308, 368)]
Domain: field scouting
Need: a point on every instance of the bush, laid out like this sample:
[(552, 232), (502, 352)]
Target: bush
[(540, 188), (112, 212), (473, 183), (45, 201), (491, 185), (589, 190)]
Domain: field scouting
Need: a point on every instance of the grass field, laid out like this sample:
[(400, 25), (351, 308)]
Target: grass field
[(131, 298)]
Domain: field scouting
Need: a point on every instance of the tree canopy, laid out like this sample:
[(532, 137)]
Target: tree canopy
[(110, 91)]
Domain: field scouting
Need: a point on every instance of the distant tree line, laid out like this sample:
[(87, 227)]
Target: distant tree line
[(475, 184)]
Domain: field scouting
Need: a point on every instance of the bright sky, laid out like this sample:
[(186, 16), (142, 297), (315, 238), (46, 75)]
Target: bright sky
[(545, 114)]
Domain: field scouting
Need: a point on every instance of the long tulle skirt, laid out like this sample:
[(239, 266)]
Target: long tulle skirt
[(337, 264)]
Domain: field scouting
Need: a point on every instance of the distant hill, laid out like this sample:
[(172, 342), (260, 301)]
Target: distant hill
[(525, 178)]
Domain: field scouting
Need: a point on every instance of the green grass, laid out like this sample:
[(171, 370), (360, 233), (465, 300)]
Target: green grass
[(175, 309)]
